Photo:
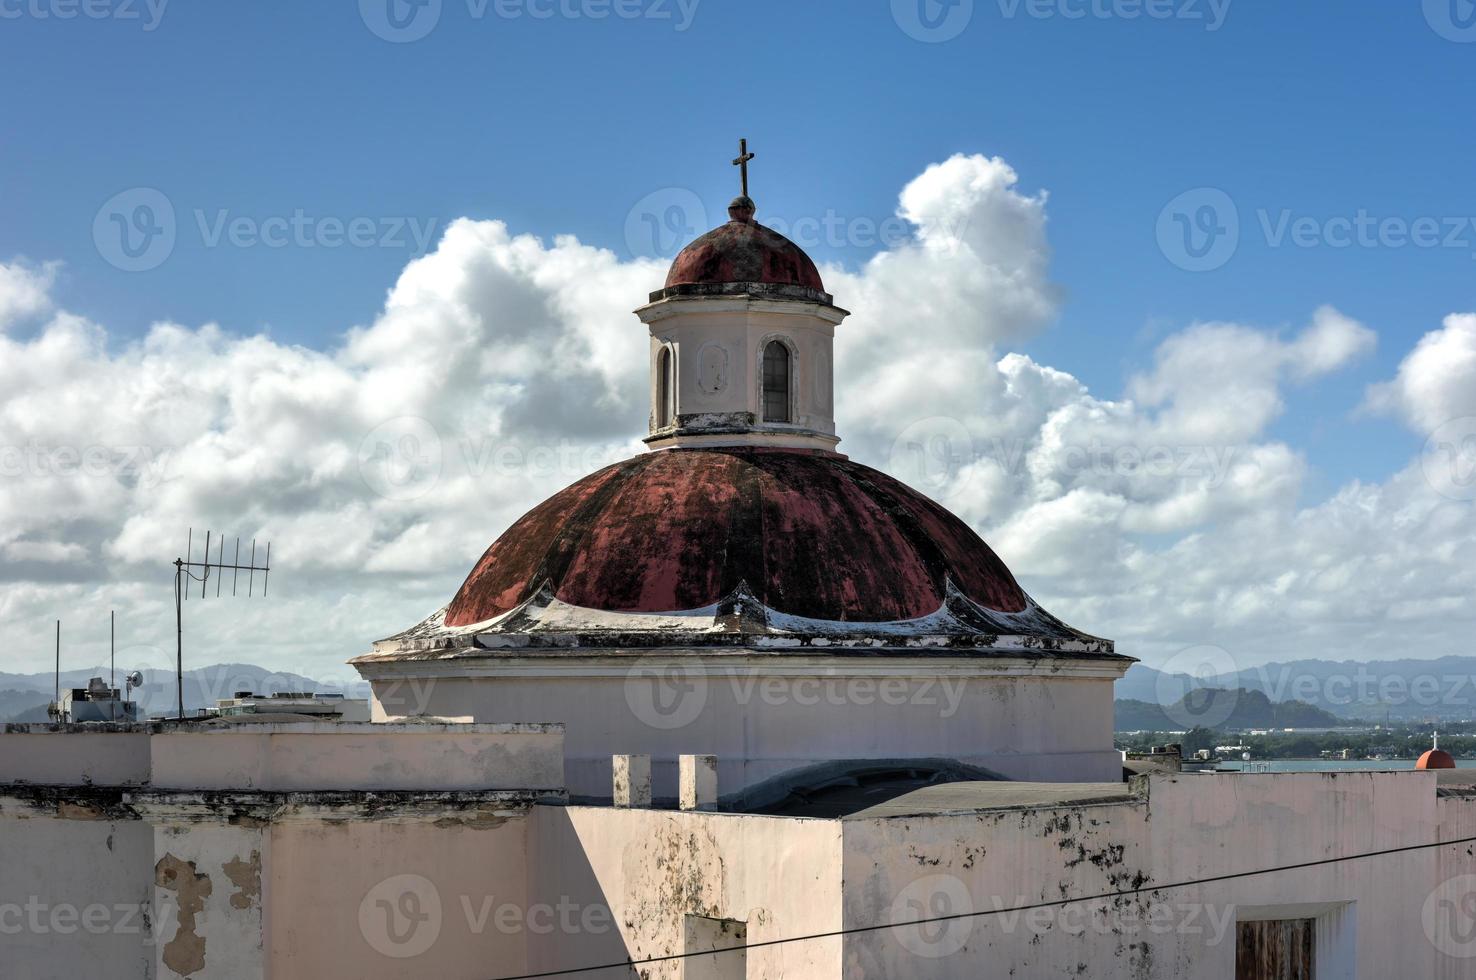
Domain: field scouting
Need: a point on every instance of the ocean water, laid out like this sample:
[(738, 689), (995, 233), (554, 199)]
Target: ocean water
[(1335, 765)]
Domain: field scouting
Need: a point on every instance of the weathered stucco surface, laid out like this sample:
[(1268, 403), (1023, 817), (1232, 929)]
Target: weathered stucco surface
[(651, 868), (761, 718), (1190, 826)]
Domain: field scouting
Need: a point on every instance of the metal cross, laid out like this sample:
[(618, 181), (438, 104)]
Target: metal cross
[(743, 157)]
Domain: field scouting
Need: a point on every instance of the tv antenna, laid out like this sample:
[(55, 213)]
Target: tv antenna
[(187, 571)]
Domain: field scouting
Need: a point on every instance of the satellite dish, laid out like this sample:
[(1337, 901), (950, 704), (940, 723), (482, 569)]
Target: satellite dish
[(134, 679)]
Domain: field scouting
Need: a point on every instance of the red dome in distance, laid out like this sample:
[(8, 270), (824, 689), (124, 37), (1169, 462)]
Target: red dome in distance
[(1436, 759), (744, 251)]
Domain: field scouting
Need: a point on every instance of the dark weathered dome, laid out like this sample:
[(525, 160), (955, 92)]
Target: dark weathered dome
[(744, 251), (810, 534)]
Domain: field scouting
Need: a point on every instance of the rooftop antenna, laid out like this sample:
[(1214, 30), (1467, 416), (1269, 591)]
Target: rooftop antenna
[(187, 571)]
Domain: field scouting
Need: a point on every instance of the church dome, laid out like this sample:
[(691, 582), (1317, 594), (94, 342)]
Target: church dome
[(744, 251), (1436, 759), (808, 533)]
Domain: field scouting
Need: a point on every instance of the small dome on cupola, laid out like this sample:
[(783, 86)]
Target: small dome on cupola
[(744, 257), (744, 251)]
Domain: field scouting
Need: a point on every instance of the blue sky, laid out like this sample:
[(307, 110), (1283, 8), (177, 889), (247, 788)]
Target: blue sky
[(1322, 107)]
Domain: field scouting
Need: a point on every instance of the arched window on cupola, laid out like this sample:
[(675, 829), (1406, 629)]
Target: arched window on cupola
[(776, 382), (665, 387)]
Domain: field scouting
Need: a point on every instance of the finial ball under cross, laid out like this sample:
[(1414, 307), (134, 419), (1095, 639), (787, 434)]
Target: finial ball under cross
[(743, 157)]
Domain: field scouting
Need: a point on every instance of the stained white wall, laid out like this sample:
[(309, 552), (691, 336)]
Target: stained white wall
[(1191, 826), (74, 894), (650, 869), (767, 719)]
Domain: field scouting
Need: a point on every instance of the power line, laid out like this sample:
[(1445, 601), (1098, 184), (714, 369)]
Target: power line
[(1018, 908)]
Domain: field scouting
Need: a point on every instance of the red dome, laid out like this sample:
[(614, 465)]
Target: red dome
[(1436, 759), (744, 251), (811, 533)]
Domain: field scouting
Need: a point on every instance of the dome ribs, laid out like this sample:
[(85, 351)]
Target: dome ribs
[(812, 534), (742, 251), (654, 550), (835, 553), (974, 567), (537, 548)]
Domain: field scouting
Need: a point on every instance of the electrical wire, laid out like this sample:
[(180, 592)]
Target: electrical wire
[(855, 930)]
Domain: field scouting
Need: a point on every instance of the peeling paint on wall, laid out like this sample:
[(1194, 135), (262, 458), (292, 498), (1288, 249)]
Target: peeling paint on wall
[(185, 953), (246, 876)]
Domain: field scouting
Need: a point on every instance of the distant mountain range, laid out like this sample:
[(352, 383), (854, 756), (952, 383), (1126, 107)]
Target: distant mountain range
[(1220, 709), (1329, 692), (24, 697), (1383, 690)]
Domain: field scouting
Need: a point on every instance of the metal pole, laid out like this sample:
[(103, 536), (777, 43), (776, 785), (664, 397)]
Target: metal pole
[(179, 634), (112, 663), (58, 668)]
